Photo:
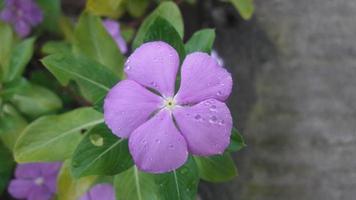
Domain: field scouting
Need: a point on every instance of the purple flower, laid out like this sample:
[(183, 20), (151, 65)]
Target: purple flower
[(100, 191), (113, 28), (34, 181), (216, 56), (22, 14), (163, 127)]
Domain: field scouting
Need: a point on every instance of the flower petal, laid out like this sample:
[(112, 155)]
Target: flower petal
[(102, 191), (157, 146), (29, 170), (40, 193), (50, 169), (205, 126), (203, 78), (22, 28), (127, 106), (51, 183), (20, 188), (154, 65)]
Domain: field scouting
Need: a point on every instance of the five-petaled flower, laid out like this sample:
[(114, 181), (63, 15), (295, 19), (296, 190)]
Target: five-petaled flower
[(162, 127), (22, 14), (34, 181), (113, 28), (101, 191)]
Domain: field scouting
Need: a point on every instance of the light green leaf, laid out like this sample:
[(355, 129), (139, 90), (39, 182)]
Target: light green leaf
[(52, 12), (245, 8), (20, 56), (101, 153), (53, 47), (6, 37), (236, 141), (93, 41), (54, 138), (135, 185), (181, 184), (11, 125), (202, 40), (70, 188), (217, 168), (162, 30), (166, 10), (6, 163), (93, 79), (108, 8), (137, 8)]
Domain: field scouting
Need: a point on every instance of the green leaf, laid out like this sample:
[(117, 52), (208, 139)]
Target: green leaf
[(236, 141), (135, 185), (54, 138), (70, 188), (34, 100), (7, 164), (53, 47), (162, 30), (217, 168), (137, 8), (11, 125), (52, 12), (202, 40), (20, 56), (179, 184), (245, 8), (93, 41), (6, 37), (101, 153), (93, 79), (108, 8), (166, 10)]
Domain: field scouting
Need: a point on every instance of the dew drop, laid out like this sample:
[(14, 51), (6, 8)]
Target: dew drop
[(213, 119), (158, 141), (222, 122), (212, 108), (219, 93), (144, 142), (96, 140), (128, 68), (171, 146), (197, 117)]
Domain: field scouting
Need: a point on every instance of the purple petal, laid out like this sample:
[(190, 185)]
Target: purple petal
[(29, 170), (157, 146), (111, 26), (203, 78), (7, 16), (22, 28), (154, 65), (100, 191), (127, 106), (51, 183), (20, 189), (206, 126), (40, 193), (121, 43), (50, 169)]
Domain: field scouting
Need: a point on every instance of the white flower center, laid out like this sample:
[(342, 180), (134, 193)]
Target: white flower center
[(169, 103), (39, 181)]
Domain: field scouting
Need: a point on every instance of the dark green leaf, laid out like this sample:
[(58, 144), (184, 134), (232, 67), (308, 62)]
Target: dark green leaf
[(93, 79), (181, 184), (108, 8), (93, 41), (217, 168), (202, 40), (162, 30), (166, 10), (6, 163), (101, 153), (135, 185), (54, 138), (52, 12), (245, 8), (236, 141), (53, 47), (6, 38), (137, 8)]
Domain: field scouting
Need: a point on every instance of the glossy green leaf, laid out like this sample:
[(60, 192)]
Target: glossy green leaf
[(137, 8), (245, 8), (180, 184), (202, 40), (162, 30), (236, 141), (93, 79), (52, 12), (93, 41), (6, 37), (7, 164), (70, 188), (54, 138), (101, 153), (11, 125), (108, 8), (34, 100), (136, 185), (53, 47), (217, 168), (20, 56), (166, 10)]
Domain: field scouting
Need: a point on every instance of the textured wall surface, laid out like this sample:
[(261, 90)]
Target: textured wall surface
[(295, 69)]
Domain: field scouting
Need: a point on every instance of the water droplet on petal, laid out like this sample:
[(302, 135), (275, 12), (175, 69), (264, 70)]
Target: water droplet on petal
[(158, 141), (222, 122), (171, 146), (96, 140), (197, 117), (212, 108), (219, 93), (213, 119), (144, 142)]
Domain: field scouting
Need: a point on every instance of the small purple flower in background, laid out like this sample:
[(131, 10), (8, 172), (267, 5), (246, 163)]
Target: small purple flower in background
[(22, 14), (34, 181), (216, 56), (100, 191), (113, 28), (162, 128)]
